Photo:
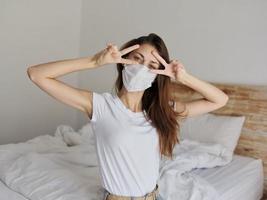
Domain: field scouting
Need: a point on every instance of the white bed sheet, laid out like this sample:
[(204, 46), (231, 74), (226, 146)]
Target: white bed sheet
[(8, 194), (241, 179)]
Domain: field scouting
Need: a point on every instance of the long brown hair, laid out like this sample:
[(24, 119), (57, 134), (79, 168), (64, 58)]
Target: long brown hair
[(156, 99)]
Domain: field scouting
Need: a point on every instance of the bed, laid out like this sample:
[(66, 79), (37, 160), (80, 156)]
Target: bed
[(8, 194), (242, 178), (230, 183), (249, 101)]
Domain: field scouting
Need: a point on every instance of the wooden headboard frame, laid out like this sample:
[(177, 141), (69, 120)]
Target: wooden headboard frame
[(247, 100)]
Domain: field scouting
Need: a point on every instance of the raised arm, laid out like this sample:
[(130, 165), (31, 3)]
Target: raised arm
[(44, 76), (214, 98)]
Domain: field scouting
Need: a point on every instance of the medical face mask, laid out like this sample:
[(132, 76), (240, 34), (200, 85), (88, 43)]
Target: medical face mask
[(137, 77)]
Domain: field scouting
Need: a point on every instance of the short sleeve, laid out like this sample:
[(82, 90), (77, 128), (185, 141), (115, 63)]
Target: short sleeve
[(98, 105)]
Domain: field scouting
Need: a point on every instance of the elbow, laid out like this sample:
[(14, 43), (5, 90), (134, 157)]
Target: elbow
[(224, 100), (31, 74), (29, 69)]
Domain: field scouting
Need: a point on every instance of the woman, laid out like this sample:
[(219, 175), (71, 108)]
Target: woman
[(137, 124)]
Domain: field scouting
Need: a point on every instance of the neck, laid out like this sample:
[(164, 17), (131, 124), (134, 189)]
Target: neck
[(132, 100)]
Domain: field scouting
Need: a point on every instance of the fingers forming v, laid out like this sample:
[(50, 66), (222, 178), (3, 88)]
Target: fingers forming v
[(129, 49), (162, 61), (159, 58)]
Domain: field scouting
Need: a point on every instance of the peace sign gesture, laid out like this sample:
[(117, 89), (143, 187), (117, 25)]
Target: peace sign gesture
[(111, 54), (174, 69)]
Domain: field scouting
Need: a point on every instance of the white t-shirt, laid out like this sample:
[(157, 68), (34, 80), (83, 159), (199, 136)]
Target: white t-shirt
[(127, 147)]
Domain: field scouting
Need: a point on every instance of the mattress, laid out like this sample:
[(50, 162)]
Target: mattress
[(241, 179)]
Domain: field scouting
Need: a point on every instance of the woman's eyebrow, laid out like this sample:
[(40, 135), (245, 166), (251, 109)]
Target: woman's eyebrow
[(144, 57)]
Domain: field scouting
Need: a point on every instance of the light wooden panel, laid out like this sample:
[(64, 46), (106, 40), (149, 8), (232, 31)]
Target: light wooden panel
[(247, 100)]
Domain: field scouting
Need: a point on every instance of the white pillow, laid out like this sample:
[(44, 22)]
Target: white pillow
[(213, 128)]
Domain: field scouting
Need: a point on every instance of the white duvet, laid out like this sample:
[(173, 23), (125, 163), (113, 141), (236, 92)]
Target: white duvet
[(65, 167)]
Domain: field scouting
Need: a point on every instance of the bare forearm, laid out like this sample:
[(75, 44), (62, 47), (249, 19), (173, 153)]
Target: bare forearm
[(206, 89), (61, 67)]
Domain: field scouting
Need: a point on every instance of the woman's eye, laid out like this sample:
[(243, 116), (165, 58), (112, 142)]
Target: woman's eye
[(136, 57)]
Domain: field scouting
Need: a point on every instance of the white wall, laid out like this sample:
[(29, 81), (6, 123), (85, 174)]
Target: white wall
[(220, 41), (33, 32)]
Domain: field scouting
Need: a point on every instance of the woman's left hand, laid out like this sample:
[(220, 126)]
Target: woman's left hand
[(174, 69)]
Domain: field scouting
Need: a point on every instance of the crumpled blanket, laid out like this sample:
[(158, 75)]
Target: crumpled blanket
[(65, 167), (176, 181)]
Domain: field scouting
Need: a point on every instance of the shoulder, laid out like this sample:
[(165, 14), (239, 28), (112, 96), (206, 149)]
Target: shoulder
[(102, 94), (106, 95), (102, 97), (99, 104)]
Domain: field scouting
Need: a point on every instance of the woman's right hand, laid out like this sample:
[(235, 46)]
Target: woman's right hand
[(111, 54)]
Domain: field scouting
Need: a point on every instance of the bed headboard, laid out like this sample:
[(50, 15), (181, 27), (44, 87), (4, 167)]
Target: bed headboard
[(247, 100)]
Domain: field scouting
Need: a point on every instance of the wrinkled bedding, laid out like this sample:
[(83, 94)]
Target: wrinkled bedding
[(64, 167)]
